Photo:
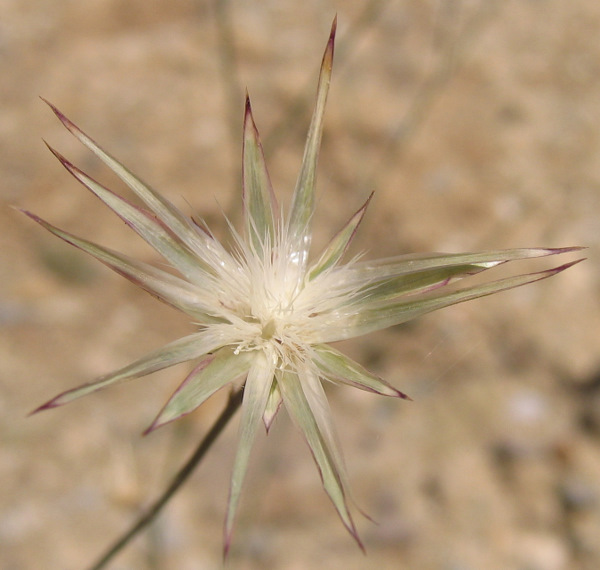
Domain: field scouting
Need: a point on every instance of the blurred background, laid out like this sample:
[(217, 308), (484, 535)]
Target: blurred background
[(476, 122)]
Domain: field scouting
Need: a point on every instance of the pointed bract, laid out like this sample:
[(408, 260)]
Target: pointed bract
[(339, 368), (367, 272), (256, 393), (417, 282), (182, 226), (339, 244), (260, 204), (162, 285), (291, 386), (273, 405), (372, 317), (181, 350), (144, 224), (303, 200), (209, 376)]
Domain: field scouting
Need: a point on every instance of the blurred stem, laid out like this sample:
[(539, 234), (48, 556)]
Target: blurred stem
[(233, 93), (235, 400), (297, 113), (228, 68), (454, 54)]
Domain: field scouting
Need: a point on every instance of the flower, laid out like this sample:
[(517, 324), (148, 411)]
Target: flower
[(264, 312)]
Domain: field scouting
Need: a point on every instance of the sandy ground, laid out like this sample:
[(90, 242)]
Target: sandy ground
[(478, 126)]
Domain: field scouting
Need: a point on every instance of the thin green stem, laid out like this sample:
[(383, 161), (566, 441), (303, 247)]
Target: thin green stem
[(235, 400)]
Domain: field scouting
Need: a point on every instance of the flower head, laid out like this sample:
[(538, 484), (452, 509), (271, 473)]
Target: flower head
[(264, 312)]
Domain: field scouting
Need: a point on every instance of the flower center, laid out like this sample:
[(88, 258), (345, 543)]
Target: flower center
[(269, 329)]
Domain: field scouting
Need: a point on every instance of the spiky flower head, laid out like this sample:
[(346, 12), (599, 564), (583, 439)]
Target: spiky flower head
[(265, 314)]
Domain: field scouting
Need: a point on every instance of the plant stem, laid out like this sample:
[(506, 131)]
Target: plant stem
[(235, 400)]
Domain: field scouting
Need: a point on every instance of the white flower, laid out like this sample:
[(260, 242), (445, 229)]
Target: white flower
[(263, 311)]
